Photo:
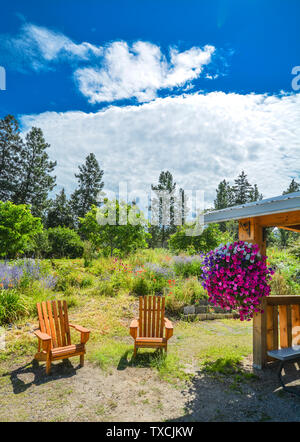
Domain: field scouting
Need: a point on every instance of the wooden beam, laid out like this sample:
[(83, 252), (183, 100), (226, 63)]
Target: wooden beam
[(295, 228), (250, 230), (283, 300), (280, 219)]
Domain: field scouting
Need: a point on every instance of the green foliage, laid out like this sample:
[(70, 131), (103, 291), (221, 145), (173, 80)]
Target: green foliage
[(293, 187), (60, 212), (89, 185), (17, 228), (89, 253), (186, 292), (11, 145), (210, 238), (39, 245), (279, 286), (141, 287), (119, 238), (224, 197), (240, 193), (287, 266), (188, 266), (36, 173), (12, 306), (64, 242), (295, 249)]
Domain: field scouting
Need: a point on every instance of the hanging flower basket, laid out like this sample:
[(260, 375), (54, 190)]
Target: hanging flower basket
[(236, 277)]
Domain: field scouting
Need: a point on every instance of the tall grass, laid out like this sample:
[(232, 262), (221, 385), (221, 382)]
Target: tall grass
[(12, 306)]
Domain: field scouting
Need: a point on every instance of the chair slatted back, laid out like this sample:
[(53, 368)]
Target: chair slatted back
[(53, 319), (151, 316)]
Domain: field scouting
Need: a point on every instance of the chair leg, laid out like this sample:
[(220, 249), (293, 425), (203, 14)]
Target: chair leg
[(48, 365), (81, 360), (290, 390), (135, 350)]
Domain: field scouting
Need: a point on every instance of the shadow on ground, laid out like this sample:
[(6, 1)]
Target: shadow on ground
[(225, 392), (21, 378), (145, 359)]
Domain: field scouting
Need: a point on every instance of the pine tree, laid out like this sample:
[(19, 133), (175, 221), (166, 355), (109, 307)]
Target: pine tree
[(166, 215), (255, 195), (60, 212), (286, 237), (10, 147), (242, 189), (89, 185), (36, 178), (224, 196), (293, 187)]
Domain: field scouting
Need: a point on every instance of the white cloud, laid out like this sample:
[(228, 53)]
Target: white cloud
[(139, 71), (38, 46), (201, 139), (111, 72)]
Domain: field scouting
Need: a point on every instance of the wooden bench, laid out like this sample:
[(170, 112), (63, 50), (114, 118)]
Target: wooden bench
[(284, 355)]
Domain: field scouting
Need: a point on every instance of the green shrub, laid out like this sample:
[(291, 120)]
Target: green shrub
[(295, 249), (209, 239), (287, 266), (39, 246), (186, 292), (187, 266), (12, 306), (64, 242), (279, 286), (89, 253), (141, 287), (86, 281), (18, 227)]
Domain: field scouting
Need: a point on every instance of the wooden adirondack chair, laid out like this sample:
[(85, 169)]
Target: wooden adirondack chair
[(152, 329), (54, 334)]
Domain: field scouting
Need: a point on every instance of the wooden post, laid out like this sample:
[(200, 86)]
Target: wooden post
[(251, 231)]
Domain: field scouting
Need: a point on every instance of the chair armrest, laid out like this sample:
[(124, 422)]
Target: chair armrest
[(133, 328), (79, 328), (42, 336), (169, 328), (85, 333)]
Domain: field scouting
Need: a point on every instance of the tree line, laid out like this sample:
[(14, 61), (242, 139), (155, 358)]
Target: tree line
[(27, 178)]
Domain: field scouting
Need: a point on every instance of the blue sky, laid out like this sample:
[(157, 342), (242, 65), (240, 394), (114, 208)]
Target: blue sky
[(202, 88)]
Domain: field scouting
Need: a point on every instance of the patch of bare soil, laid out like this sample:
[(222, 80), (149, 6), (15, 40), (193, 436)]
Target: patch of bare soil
[(137, 394)]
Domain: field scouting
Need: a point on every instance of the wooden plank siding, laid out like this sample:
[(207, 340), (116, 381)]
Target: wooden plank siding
[(283, 322)]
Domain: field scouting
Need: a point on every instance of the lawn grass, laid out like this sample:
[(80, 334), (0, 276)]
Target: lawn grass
[(100, 297)]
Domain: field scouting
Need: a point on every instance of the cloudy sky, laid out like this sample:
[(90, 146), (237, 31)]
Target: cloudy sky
[(203, 89)]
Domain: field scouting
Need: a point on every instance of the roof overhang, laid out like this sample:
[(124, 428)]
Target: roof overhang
[(283, 204)]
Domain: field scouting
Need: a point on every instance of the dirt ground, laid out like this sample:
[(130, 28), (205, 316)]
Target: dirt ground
[(137, 394)]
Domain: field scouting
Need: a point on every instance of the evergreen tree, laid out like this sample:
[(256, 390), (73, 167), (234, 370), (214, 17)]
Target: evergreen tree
[(242, 189), (224, 196), (166, 215), (89, 185), (10, 147), (287, 237), (36, 178), (255, 195), (240, 193), (293, 187), (60, 212)]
